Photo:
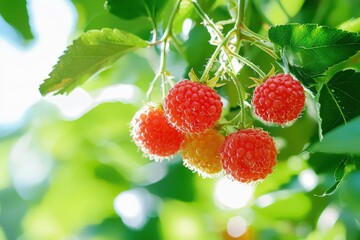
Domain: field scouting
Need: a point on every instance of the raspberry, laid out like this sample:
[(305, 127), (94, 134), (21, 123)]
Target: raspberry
[(201, 152), (192, 107), (154, 135), (280, 99), (248, 155)]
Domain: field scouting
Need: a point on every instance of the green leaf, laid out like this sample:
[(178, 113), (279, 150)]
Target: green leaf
[(331, 190), (346, 166), (15, 13), (282, 205), (339, 99), (88, 54), (198, 36), (340, 170), (309, 50), (319, 162), (344, 139), (279, 12), (352, 25), (185, 10), (135, 8)]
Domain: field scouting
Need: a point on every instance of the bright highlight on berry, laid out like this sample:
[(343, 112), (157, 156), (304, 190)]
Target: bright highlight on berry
[(192, 107), (154, 135), (280, 99), (248, 155), (201, 152)]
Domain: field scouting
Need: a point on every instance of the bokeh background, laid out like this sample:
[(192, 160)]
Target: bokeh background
[(68, 168)]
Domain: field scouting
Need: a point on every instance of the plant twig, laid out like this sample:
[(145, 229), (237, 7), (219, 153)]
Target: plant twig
[(164, 45), (248, 63)]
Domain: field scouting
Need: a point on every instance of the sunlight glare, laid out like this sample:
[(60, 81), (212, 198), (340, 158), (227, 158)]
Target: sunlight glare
[(232, 194), (134, 207), (28, 167), (328, 218), (308, 179), (23, 70), (186, 28), (236, 226)]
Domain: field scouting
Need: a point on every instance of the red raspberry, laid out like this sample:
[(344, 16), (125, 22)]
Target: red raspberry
[(192, 107), (248, 155), (154, 135), (280, 99), (201, 152)]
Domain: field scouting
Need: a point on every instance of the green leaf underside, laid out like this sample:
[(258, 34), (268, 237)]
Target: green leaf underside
[(340, 100), (331, 190), (346, 166), (340, 170), (16, 14), (344, 139), (135, 8), (309, 50), (88, 54)]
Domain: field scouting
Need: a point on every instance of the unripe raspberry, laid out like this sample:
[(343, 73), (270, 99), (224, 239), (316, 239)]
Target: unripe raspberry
[(192, 107), (154, 135), (248, 155), (201, 152), (280, 99)]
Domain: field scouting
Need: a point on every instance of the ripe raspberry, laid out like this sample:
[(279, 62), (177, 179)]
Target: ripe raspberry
[(154, 135), (201, 152), (280, 99), (192, 107), (248, 155)]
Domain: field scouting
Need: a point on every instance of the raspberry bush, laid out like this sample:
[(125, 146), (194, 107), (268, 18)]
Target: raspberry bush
[(248, 77)]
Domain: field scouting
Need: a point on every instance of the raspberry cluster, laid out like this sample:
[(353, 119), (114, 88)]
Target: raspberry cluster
[(187, 123)]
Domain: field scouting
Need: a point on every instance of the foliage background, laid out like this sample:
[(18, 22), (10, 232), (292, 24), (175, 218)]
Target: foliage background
[(70, 171)]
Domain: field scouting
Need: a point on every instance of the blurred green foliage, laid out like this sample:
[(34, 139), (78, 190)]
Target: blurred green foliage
[(15, 13), (60, 178)]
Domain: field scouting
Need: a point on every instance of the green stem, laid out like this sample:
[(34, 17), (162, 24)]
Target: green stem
[(214, 56), (229, 53), (220, 36), (163, 85), (151, 87), (168, 30), (206, 19), (163, 56), (240, 18), (249, 64), (261, 46), (241, 96), (247, 31), (178, 45), (164, 42), (258, 40), (160, 73)]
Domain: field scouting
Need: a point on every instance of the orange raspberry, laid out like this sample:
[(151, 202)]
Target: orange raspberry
[(201, 152)]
